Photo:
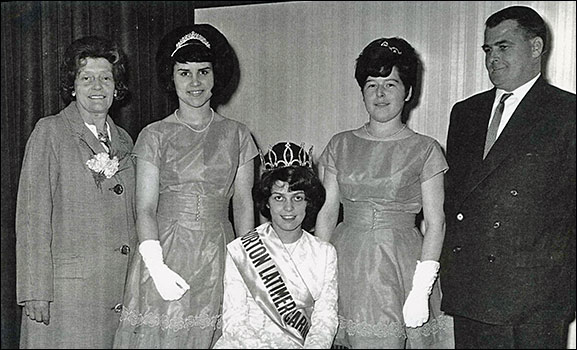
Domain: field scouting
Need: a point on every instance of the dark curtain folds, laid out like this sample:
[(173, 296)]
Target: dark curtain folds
[(34, 36)]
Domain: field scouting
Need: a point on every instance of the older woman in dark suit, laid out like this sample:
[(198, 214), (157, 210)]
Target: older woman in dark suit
[(75, 225)]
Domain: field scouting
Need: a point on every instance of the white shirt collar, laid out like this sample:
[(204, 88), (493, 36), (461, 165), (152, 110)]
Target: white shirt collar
[(512, 102), (92, 128), (519, 92)]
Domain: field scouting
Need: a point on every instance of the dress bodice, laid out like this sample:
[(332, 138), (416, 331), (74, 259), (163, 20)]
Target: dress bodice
[(385, 175)]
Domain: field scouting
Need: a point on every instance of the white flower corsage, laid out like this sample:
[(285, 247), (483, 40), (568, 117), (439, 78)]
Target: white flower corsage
[(103, 167)]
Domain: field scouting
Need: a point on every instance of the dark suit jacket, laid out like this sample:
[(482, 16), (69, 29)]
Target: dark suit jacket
[(509, 250)]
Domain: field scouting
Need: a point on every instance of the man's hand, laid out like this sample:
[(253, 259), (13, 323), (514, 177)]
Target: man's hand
[(38, 310)]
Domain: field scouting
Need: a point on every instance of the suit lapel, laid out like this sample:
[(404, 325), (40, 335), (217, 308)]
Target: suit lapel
[(476, 141), (515, 132), (85, 137), (119, 145)]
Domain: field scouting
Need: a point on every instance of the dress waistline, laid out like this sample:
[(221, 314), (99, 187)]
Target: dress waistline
[(193, 207), (365, 216)]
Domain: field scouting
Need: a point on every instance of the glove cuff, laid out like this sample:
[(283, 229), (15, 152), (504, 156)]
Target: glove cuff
[(425, 275), (151, 252), (431, 266)]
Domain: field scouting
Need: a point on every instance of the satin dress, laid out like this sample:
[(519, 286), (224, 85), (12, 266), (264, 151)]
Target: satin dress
[(378, 242), (197, 172)]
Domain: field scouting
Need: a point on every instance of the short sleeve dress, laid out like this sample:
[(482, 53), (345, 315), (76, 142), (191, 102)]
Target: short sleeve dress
[(378, 243), (197, 172)]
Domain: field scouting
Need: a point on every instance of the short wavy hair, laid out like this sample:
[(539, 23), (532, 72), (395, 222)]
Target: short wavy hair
[(299, 179), (220, 54), (92, 47), (527, 19), (379, 57)]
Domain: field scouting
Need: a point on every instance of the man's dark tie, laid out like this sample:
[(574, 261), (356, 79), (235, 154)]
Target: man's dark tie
[(494, 126)]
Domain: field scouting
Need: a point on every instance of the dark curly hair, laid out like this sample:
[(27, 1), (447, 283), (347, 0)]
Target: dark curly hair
[(299, 179), (92, 47), (379, 57), (220, 54)]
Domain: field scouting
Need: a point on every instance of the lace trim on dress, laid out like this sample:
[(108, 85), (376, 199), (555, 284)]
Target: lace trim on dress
[(442, 323), (364, 329), (165, 322), (394, 329)]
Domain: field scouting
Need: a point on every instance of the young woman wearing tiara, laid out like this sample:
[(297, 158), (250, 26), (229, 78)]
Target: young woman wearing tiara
[(280, 282), (189, 165), (384, 174)]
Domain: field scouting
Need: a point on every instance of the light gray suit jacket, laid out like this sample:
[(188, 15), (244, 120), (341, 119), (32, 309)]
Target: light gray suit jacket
[(74, 240)]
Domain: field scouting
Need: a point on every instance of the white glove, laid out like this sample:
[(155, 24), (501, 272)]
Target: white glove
[(416, 308), (168, 283)]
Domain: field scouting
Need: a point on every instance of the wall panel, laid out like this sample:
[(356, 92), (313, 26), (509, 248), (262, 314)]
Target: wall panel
[(297, 60)]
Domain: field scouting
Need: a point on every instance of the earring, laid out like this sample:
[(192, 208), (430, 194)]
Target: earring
[(73, 93), (115, 93)]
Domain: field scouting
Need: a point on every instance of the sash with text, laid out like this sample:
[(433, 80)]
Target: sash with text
[(273, 279)]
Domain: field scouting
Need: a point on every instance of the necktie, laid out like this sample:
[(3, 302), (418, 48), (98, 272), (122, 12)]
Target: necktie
[(494, 126)]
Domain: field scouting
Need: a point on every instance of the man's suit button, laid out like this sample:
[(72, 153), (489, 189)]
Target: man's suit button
[(125, 249), (460, 216), (457, 249), (491, 258), (118, 189), (514, 193), (496, 224)]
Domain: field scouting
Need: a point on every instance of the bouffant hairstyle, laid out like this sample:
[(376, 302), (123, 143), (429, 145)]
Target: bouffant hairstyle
[(195, 43), (92, 47), (379, 57), (299, 178), (527, 19)]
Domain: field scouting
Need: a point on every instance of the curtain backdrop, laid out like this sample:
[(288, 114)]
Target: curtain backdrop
[(34, 37)]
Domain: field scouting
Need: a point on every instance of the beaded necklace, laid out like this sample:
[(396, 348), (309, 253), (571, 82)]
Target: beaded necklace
[(384, 137), (190, 127)]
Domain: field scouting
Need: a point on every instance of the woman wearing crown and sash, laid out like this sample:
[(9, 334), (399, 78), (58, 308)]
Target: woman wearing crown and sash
[(189, 165), (384, 174), (281, 281)]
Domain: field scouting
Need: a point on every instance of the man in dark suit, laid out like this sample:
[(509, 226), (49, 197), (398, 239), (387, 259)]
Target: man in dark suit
[(508, 262)]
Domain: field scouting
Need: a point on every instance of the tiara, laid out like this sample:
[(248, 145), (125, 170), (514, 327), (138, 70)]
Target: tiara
[(190, 36), (392, 48), (289, 155)]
